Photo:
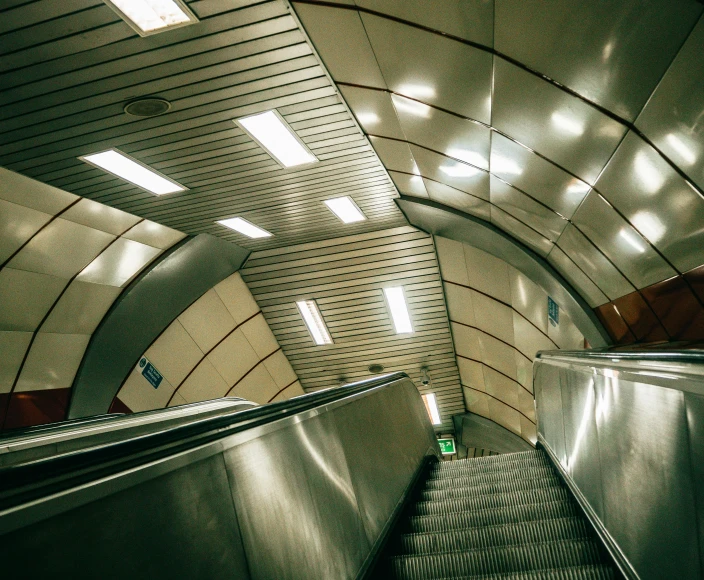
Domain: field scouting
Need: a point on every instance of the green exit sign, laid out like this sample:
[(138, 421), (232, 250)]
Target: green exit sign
[(447, 446)]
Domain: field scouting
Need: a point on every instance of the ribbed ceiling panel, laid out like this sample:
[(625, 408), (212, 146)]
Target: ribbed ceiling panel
[(67, 76), (346, 277)]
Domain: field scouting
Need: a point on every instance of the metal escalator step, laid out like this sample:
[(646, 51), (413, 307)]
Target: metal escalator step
[(490, 536), (575, 573), (488, 501), (562, 554), (492, 461), (476, 466), (488, 488), (457, 479), (491, 517)]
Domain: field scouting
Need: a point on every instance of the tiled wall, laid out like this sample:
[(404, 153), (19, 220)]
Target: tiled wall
[(499, 321), (63, 262), (220, 346)]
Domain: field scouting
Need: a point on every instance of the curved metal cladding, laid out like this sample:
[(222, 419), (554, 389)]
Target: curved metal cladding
[(573, 133), (142, 313), (306, 493), (626, 432)]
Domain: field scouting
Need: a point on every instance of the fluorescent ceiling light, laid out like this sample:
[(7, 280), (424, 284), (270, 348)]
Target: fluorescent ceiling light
[(129, 169), (399, 312), (277, 138), (314, 321), (244, 227), (432, 407), (150, 16), (345, 209), (459, 170)]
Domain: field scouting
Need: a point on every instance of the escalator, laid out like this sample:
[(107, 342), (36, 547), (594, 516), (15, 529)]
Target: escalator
[(348, 482)]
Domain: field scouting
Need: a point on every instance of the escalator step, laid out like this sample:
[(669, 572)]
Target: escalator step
[(491, 517), (475, 466), (493, 460), (490, 536), (489, 488), (576, 573), (488, 501), (466, 480), (562, 554)]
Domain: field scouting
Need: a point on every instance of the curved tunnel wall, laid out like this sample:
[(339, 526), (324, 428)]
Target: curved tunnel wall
[(550, 120)]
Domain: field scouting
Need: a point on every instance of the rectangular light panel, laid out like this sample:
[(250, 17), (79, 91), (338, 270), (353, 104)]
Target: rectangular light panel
[(245, 228), (345, 209), (399, 311), (277, 138), (432, 407), (151, 16), (124, 167), (314, 321)]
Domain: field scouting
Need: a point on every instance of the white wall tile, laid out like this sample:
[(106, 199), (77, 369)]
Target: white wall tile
[(280, 369), (259, 335), (471, 373), (207, 320), (174, 353), (52, 361), (529, 299), (203, 384), (257, 386), (501, 387), (493, 317), (31, 193), (233, 357), (524, 371), (17, 224), (295, 390), (100, 217), (466, 341), (459, 304), (528, 430), (497, 355), (26, 298), (119, 263), (237, 298), (505, 416), (526, 404), (154, 234), (13, 346), (177, 400), (452, 263), (477, 402), (487, 274), (139, 395), (566, 334), (81, 308), (529, 340)]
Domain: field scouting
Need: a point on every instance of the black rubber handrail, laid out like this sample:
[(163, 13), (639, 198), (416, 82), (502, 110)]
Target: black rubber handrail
[(32, 480), (680, 356)]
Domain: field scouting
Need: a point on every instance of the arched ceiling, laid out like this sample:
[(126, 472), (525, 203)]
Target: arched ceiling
[(576, 128)]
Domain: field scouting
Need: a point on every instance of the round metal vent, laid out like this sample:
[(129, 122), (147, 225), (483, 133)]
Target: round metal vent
[(376, 369), (149, 107)]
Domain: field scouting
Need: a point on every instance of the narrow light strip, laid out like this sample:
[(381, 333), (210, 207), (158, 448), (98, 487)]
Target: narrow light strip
[(278, 139), (125, 167), (432, 407), (314, 321), (345, 209), (245, 228), (151, 16), (399, 312)]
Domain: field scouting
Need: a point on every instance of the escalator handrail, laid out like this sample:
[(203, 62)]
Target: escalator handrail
[(22, 483), (679, 356)]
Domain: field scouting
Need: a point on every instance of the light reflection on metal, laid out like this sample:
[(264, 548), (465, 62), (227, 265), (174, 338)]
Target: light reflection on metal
[(416, 91), (649, 225), (567, 124), (368, 118), (469, 157), (459, 170), (647, 173), (630, 238), (411, 107), (501, 164), (687, 155)]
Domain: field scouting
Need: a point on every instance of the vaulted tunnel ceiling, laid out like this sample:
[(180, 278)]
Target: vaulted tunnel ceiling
[(576, 129)]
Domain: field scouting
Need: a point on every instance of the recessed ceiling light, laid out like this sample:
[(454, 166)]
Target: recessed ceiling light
[(278, 139), (151, 16), (244, 227), (399, 312), (314, 321), (432, 407), (123, 166), (345, 209)]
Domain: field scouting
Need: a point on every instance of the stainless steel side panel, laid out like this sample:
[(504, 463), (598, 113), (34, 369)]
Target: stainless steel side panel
[(634, 448)]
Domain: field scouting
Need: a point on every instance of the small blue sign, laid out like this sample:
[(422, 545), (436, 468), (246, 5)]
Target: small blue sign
[(150, 373), (553, 312)]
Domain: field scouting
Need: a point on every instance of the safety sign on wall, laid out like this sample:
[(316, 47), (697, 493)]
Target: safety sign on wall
[(553, 312), (150, 373)]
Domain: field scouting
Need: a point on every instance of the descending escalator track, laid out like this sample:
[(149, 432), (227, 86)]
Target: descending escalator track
[(506, 517)]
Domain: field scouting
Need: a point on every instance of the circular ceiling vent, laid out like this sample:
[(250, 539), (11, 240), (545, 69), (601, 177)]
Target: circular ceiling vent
[(376, 369), (149, 107)]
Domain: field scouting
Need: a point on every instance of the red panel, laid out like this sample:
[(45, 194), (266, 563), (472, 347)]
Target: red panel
[(677, 307), (696, 279), (640, 318), (37, 407), (614, 324), (119, 407)]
